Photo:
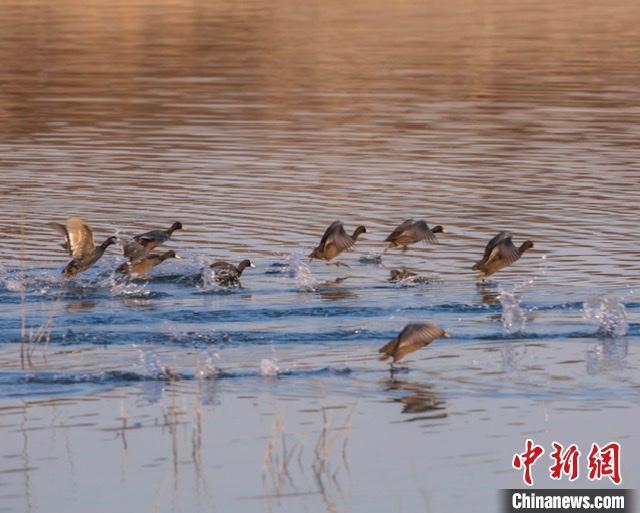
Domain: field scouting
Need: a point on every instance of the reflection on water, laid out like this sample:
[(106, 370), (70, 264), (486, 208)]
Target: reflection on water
[(489, 293), (608, 355), (420, 398), (257, 124)]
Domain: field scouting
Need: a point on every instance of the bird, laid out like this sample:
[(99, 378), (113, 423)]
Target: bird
[(143, 265), (499, 253), (404, 275), (79, 244), (335, 240), (227, 274), (140, 245), (409, 232), (414, 336)]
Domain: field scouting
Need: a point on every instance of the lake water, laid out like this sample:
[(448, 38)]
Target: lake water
[(256, 124)]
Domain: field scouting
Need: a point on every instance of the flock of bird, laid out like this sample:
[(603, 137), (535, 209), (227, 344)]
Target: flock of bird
[(79, 243), (500, 252)]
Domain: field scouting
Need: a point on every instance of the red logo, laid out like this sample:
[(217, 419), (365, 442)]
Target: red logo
[(527, 459), (605, 461), (565, 463)]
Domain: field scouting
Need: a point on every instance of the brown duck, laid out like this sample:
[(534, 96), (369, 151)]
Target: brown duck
[(410, 231), (335, 240), (227, 274), (414, 336), (140, 245), (499, 253), (143, 265), (79, 244), (403, 274)]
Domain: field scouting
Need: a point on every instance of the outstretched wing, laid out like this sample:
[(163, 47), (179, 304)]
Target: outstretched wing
[(337, 237), (489, 249), (336, 225), (388, 349), (505, 251), (420, 231), (419, 334), (140, 245), (80, 237), (402, 227), (134, 251), (62, 230)]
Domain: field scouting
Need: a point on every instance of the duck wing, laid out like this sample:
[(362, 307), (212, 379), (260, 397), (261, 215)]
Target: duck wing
[(402, 227), (506, 251), (134, 251), (158, 236), (490, 247), (420, 231), (336, 236), (80, 238), (419, 335), (336, 225), (223, 267), (389, 349), (62, 230)]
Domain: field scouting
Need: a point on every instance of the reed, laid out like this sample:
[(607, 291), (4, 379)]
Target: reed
[(32, 336)]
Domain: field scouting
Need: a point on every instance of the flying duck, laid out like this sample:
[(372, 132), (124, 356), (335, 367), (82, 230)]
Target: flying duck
[(79, 244), (143, 265), (414, 336), (140, 245), (500, 253), (335, 240), (409, 232)]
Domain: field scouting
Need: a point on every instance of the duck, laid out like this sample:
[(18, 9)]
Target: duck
[(409, 232), (335, 240), (413, 336), (143, 265), (142, 244), (227, 274), (404, 275), (499, 253), (79, 244)]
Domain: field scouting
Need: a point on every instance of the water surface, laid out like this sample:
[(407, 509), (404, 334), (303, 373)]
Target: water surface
[(256, 124)]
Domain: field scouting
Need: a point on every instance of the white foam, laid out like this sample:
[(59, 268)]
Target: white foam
[(608, 313)]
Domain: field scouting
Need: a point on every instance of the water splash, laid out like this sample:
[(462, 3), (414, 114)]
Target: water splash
[(205, 365), (4, 276), (513, 317), (38, 281), (153, 366), (301, 272), (609, 313), (120, 286), (269, 367), (539, 273), (207, 277)]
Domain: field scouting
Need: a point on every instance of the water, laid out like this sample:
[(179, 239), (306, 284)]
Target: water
[(256, 124)]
